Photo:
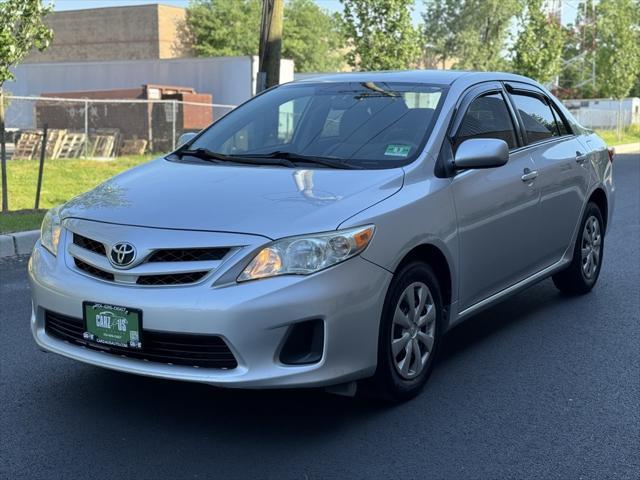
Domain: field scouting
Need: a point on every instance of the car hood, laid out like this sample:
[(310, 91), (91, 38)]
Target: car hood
[(270, 201)]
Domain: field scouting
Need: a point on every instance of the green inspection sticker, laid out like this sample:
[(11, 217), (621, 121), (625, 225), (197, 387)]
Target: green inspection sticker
[(113, 325), (397, 150)]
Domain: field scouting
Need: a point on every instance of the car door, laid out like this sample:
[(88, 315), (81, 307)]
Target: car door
[(497, 208), (563, 169)]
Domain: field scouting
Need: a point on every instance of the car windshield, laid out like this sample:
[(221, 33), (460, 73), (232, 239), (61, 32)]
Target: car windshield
[(362, 125)]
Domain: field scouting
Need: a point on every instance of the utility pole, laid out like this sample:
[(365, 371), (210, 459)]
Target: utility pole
[(270, 43)]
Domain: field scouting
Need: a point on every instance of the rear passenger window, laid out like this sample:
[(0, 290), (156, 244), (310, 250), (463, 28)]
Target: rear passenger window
[(487, 117), (537, 117)]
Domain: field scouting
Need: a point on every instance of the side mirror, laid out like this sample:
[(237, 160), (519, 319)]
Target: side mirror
[(481, 153), (184, 138)]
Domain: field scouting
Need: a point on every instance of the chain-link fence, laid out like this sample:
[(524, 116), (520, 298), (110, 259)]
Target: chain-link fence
[(101, 128)]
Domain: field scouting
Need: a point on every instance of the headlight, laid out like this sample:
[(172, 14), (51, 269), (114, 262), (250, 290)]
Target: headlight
[(307, 254), (50, 230)]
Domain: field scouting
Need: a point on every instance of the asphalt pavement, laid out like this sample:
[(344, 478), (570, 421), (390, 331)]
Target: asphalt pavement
[(542, 386)]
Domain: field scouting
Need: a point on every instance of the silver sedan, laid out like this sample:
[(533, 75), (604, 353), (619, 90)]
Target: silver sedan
[(326, 233)]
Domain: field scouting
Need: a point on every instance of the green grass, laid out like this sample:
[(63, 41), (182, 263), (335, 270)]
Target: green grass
[(629, 135), (21, 221), (61, 180)]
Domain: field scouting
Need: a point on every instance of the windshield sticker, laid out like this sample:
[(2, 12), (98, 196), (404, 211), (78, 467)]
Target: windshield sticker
[(397, 150)]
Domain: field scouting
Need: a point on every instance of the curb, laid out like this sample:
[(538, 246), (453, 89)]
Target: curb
[(627, 148), (19, 243)]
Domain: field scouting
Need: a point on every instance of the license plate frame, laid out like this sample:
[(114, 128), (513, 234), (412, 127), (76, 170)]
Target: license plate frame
[(112, 325)]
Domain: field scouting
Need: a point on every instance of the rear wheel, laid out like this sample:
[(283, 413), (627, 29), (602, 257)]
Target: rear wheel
[(409, 333), (583, 272)]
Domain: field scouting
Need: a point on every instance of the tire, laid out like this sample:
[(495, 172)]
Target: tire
[(582, 273), (394, 380)]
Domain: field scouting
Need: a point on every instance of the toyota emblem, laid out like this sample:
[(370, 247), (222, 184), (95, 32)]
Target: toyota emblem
[(122, 254)]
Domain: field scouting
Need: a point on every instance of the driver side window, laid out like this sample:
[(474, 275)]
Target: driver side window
[(487, 117)]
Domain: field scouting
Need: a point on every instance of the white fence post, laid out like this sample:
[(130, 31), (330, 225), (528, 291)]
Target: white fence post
[(173, 119), (86, 129)]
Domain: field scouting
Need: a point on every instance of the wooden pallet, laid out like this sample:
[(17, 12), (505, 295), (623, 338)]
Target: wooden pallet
[(72, 145), (54, 142), (105, 143), (133, 147), (28, 145)]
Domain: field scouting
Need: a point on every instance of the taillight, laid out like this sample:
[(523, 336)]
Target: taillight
[(612, 153)]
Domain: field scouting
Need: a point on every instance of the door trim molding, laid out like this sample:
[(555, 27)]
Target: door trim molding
[(482, 304)]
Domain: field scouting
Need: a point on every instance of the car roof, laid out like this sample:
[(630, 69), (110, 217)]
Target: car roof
[(434, 77)]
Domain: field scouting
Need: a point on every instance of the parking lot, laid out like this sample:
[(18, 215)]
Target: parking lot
[(543, 386)]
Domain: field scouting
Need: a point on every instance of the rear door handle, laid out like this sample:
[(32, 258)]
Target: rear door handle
[(529, 175)]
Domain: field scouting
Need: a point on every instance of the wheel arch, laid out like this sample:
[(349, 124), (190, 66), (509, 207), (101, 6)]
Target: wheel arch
[(436, 259), (599, 197)]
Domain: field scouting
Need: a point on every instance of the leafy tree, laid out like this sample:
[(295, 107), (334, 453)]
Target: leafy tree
[(312, 37), (618, 47), (440, 31), (472, 32), (224, 28), (537, 52), (576, 79), (21, 29), (635, 90), (381, 34)]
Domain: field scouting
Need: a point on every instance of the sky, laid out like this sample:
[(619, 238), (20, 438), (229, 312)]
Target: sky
[(60, 5), (568, 7)]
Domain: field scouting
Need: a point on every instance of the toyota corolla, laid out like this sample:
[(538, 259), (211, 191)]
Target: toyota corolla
[(326, 233)]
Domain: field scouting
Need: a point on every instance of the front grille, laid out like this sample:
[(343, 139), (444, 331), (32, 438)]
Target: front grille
[(208, 256), (188, 255), (171, 279), (89, 244), (93, 271), (206, 351)]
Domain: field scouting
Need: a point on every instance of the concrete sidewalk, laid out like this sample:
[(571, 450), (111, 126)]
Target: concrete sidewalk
[(627, 148)]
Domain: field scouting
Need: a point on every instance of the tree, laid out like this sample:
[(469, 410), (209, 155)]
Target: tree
[(21, 29), (473, 33), (312, 37), (618, 47), (224, 28), (381, 34), (439, 31), (537, 52)]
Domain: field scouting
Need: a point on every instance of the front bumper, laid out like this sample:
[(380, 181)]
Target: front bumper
[(252, 318)]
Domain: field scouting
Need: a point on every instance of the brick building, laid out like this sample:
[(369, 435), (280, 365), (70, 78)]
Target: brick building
[(114, 33)]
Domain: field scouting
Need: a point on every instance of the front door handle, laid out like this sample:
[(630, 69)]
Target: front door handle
[(529, 175), (580, 158)]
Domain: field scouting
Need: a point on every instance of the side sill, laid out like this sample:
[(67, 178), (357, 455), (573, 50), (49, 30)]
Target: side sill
[(516, 287)]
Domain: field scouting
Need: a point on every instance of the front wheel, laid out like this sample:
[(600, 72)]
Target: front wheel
[(409, 333), (584, 269)]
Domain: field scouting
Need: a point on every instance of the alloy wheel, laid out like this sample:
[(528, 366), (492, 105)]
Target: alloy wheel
[(591, 247), (413, 330)]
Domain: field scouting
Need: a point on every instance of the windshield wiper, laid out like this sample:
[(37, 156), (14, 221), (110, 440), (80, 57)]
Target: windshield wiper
[(299, 158), (215, 157)]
